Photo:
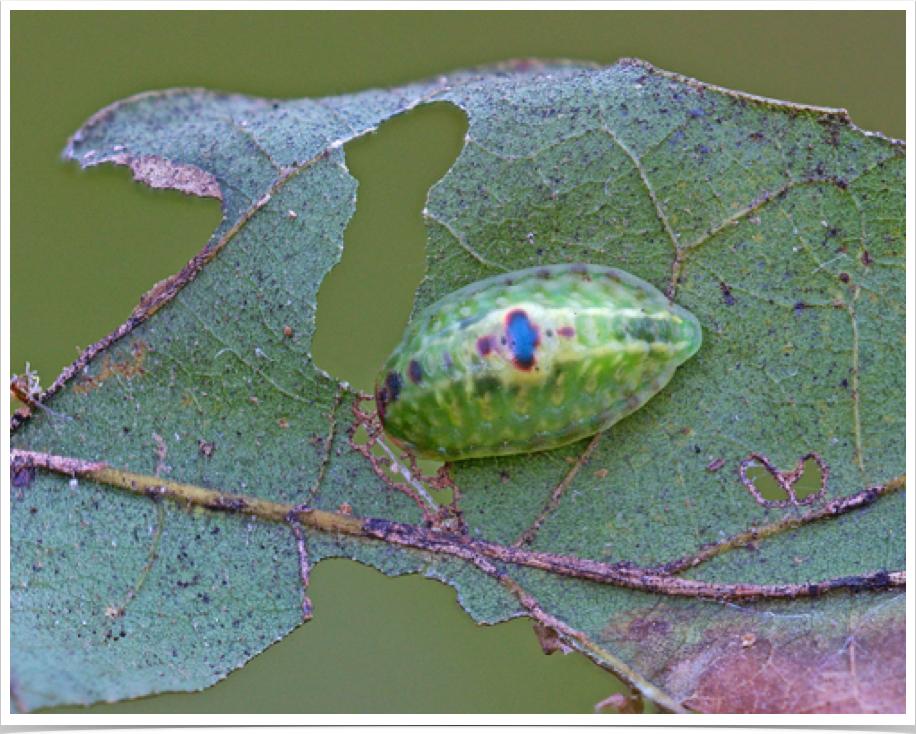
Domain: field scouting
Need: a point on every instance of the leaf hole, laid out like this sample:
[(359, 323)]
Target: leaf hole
[(804, 484), (810, 482), (364, 303), (766, 484)]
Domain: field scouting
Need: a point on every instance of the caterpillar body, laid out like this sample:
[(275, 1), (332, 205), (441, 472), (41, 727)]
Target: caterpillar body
[(531, 360)]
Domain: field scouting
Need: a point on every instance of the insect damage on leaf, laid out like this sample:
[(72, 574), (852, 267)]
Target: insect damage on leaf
[(531, 360)]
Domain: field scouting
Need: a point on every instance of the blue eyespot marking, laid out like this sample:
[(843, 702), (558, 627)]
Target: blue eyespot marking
[(524, 338)]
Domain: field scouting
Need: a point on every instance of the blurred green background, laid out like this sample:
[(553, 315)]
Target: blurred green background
[(85, 245)]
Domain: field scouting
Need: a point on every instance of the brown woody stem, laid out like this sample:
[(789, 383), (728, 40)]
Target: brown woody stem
[(453, 544)]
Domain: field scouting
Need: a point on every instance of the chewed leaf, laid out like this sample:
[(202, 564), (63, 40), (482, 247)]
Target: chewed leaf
[(180, 480)]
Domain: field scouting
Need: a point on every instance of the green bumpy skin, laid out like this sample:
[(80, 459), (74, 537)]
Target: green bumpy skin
[(531, 360)]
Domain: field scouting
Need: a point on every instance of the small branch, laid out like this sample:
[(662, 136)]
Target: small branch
[(189, 495), (616, 574), (460, 546), (745, 538)]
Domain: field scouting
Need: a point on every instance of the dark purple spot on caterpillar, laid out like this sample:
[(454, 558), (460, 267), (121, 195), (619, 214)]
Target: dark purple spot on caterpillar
[(633, 402), (485, 345), (568, 332), (387, 392), (613, 275), (582, 270), (543, 274), (415, 372), (524, 338), (393, 382), (447, 361)]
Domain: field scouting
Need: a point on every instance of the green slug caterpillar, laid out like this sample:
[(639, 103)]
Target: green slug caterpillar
[(531, 360)]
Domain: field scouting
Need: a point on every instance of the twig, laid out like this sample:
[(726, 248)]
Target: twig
[(448, 543)]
